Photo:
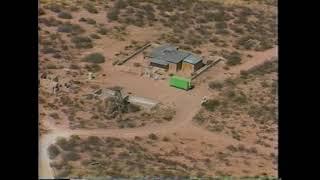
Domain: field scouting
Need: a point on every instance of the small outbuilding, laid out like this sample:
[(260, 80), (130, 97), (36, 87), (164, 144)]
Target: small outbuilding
[(192, 63)]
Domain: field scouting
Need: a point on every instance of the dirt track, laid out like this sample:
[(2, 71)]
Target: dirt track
[(187, 105)]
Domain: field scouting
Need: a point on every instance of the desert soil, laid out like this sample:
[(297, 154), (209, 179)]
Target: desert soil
[(187, 105)]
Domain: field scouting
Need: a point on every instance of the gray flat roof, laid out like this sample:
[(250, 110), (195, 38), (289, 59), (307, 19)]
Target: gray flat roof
[(174, 56), (158, 51), (159, 61), (192, 59), (167, 53)]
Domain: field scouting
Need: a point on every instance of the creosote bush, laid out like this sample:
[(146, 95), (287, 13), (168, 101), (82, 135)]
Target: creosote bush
[(90, 8), (70, 156), (70, 28), (65, 15), (92, 67), (211, 105), (233, 58), (82, 42), (153, 136), (96, 58), (215, 85), (53, 151)]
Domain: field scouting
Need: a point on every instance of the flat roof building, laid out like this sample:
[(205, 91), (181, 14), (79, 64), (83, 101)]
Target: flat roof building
[(171, 58)]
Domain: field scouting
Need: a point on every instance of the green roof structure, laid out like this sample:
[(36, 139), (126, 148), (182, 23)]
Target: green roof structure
[(180, 82)]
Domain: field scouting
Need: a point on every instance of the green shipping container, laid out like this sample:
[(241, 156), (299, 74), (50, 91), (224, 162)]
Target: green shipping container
[(180, 82)]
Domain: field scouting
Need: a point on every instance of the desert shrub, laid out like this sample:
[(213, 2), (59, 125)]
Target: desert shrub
[(54, 115), (264, 84), (136, 64), (215, 85), (50, 22), (133, 108), (232, 148), (49, 50), (57, 55), (120, 4), (266, 67), (82, 42), (70, 28), (137, 138), (166, 139), (54, 8), (211, 105), (197, 51), (90, 8), (265, 44), (95, 36), (221, 25), (41, 12), (82, 19), (96, 58), (63, 173), (233, 58), (64, 15), (113, 14), (85, 162), (102, 31), (238, 29), (91, 21), (65, 144), (199, 118), (138, 22), (240, 98), (70, 156), (53, 151), (94, 140), (153, 136), (218, 16), (249, 42), (222, 31), (51, 66), (74, 66), (92, 67)]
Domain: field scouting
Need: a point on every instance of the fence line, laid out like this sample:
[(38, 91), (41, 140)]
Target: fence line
[(201, 70), (135, 53)]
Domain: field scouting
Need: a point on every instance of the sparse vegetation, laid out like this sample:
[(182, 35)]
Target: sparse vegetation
[(53, 7), (90, 8), (234, 58), (153, 136), (237, 107), (82, 42), (113, 15), (53, 151), (96, 58), (65, 15), (102, 31), (211, 105), (93, 67), (215, 85), (95, 36), (70, 28), (70, 156)]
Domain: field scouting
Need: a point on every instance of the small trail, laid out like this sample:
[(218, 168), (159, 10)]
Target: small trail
[(186, 107)]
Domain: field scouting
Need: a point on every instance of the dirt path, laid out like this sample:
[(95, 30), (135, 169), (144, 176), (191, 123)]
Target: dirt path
[(187, 105)]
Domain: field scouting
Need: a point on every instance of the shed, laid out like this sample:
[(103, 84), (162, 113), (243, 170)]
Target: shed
[(192, 63)]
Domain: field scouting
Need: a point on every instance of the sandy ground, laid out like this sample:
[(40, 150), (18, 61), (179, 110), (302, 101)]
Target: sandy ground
[(187, 105)]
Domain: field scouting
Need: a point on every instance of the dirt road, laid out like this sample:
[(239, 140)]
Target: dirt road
[(187, 105)]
